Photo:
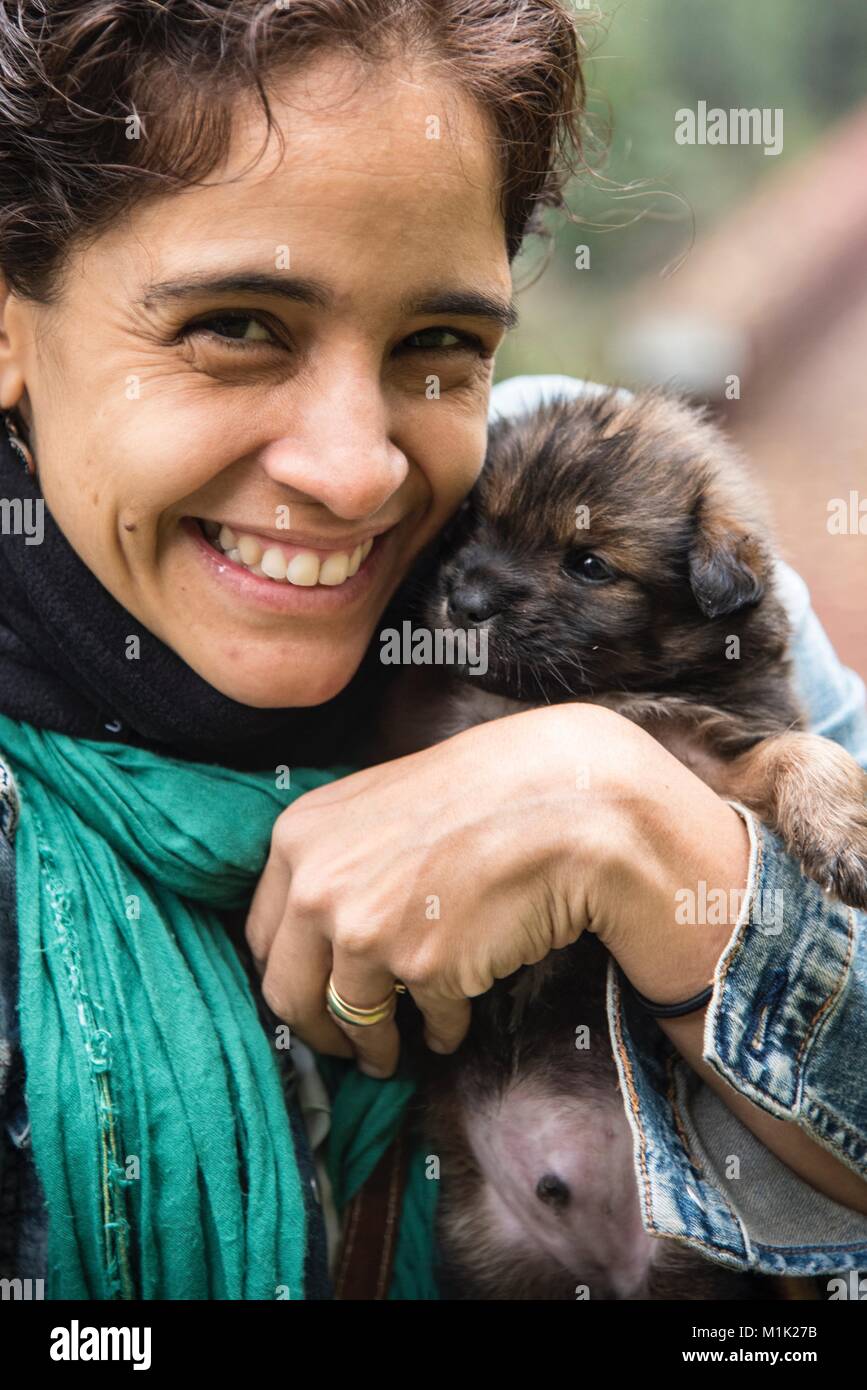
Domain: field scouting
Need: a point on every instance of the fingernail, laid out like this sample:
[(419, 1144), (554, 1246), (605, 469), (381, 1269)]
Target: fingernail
[(369, 1070)]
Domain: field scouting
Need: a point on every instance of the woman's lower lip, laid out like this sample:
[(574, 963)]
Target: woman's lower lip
[(287, 598)]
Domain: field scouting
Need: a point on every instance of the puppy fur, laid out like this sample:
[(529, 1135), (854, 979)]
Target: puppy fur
[(617, 553)]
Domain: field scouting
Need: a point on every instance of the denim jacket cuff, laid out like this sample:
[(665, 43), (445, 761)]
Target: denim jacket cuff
[(779, 985), (677, 1197), (776, 986)]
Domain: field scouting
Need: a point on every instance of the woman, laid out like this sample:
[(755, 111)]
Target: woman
[(256, 270)]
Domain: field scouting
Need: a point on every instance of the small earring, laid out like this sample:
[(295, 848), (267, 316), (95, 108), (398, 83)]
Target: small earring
[(19, 446)]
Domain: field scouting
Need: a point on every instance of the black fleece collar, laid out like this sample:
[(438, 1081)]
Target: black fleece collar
[(63, 662)]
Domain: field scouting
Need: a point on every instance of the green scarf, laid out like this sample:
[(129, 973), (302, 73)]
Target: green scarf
[(159, 1125)]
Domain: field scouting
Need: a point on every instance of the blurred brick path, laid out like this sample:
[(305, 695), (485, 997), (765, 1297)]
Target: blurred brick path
[(776, 294), (807, 439)]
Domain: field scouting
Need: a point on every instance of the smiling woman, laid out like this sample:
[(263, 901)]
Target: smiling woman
[(254, 270), (189, 320), (254, 263)]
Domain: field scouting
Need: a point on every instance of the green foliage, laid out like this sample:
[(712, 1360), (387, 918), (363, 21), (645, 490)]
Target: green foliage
[(641, 212)]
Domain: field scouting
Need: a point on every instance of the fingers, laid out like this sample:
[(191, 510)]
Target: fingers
[(294, 985), (290, 927), (446, 1021), (294, 961), (364, 985), (267, 909)]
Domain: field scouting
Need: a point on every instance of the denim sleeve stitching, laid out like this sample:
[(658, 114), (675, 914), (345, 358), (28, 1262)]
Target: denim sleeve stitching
[(747, 914), (677, 1117), (831, 1000), (635, 1108), (719, 1247)]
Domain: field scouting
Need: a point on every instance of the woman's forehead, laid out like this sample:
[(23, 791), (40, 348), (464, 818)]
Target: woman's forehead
[(321, 233), (347, 197), (358, 148)]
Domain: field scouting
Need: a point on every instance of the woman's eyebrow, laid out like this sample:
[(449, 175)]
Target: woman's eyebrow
[(470, 303), (295, 287), (315, 295)]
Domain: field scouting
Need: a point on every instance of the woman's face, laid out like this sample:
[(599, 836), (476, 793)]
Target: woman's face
[(294, 361)]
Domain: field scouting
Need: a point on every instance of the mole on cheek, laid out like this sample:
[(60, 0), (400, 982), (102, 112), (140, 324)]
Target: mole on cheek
[(129, 525)]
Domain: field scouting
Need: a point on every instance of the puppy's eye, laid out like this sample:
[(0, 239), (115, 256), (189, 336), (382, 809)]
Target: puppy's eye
[(585, 565)]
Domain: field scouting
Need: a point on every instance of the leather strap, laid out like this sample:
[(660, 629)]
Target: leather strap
[(371, 1227)]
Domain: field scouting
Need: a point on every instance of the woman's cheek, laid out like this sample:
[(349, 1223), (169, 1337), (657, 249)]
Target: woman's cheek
[(451, 451)]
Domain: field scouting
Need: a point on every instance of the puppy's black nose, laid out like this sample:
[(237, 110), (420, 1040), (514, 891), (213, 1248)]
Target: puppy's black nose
[(472, 601)]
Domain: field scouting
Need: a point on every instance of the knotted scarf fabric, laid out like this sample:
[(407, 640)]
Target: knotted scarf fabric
[(159, 1125)]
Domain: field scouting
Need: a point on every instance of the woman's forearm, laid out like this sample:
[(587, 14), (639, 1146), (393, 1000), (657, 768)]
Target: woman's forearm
[(685, 840)]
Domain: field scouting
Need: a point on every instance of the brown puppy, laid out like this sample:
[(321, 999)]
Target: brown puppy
[(613, 551)]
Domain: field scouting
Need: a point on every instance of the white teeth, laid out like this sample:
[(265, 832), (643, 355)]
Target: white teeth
[(251, 551), (334, 570), (273, 563), (304, 569)]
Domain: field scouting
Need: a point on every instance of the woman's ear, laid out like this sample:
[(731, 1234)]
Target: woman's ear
[(11, 375), (727, 564)]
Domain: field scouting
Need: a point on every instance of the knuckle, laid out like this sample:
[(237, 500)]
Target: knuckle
[(283, 834), (307, 894), (357, 939), (291, 832), (255, 941), (257, 938), (275, 999), (423, 968), (259, 953)]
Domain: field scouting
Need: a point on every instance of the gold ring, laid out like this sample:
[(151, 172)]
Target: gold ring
[(361, 1018)]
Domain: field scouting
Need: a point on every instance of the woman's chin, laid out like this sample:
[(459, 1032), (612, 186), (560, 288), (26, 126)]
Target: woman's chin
[(295, 684)]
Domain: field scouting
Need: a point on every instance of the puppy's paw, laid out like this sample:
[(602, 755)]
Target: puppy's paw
[(839, 865), (819, 809)]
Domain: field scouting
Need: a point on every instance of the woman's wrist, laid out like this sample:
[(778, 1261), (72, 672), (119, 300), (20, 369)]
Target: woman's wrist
[(670, 900)]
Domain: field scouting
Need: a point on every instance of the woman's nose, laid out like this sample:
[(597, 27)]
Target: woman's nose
[(337, 451)]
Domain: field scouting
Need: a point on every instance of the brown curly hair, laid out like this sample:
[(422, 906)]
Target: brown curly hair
[(76, 74)]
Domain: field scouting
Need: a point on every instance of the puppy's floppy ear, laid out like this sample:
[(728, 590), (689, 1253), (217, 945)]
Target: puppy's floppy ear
[(727, 564)]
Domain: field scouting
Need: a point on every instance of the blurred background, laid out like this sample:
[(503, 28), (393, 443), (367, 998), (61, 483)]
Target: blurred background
[(737, 275)]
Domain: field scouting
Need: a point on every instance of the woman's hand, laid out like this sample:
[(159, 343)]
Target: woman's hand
[(451, 868), (447, 870)]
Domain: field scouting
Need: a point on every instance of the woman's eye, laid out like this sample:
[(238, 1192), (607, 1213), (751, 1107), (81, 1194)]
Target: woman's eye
[(442, 340), (590, 567), (235, 328)]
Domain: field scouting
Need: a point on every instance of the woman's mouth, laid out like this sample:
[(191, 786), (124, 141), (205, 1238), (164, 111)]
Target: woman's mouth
[(289, 576), (284, 562)]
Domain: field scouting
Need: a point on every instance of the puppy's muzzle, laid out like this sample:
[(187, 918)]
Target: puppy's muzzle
[(476, 586), (470, 601)]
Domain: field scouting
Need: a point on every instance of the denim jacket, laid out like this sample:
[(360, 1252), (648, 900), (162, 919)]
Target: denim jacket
[(787, 1027)]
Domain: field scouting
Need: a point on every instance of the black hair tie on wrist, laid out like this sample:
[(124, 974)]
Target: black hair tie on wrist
[(688, 1006)]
